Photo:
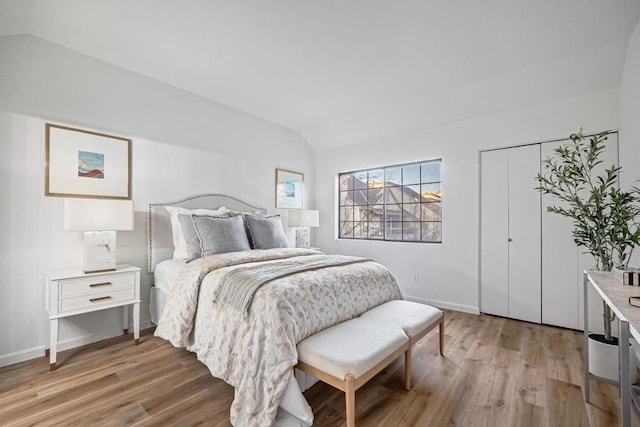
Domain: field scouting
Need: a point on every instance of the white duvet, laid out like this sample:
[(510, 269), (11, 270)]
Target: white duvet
[(256, 352)]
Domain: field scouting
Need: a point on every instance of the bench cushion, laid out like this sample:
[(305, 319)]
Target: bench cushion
[(351, 347), (411, 316)]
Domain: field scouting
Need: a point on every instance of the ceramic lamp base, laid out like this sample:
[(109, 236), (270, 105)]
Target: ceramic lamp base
[(303, 237), (99, 251)]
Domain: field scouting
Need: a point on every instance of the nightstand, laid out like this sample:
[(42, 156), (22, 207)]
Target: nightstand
[(71, 292)]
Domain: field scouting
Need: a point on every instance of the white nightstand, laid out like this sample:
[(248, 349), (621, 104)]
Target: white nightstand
[(71, 292)]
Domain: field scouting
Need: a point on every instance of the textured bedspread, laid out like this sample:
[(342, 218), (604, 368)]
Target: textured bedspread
[(256, 352)]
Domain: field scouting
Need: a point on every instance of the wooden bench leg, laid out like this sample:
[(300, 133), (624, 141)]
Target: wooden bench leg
[(442, 336), (350, 398), (407, 369)]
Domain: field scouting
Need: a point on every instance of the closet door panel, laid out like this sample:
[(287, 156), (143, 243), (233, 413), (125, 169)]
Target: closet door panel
[(524, 234), (560, 302), (494, 210), (563, 262), (585, 262)]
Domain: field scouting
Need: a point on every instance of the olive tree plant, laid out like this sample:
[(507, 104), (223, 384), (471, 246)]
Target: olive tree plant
[(605, 218)]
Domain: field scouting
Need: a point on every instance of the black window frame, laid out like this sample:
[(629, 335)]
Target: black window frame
[(382, 215)]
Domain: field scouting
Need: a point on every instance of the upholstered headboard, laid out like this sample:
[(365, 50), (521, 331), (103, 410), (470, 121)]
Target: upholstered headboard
[(160, 240)]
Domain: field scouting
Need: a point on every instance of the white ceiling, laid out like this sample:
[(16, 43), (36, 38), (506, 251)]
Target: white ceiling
[(341, 72)]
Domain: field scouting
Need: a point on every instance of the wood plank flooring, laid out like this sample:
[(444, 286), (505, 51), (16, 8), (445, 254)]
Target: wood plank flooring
[(496, 372)]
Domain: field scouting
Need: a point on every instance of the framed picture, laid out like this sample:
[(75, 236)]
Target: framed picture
[(81, 163), (289, 189)]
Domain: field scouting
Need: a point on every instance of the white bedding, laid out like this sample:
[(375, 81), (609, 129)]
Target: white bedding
[(165, 275), (256, 352)]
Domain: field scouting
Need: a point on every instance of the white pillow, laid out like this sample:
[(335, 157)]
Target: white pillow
[(179, 242)]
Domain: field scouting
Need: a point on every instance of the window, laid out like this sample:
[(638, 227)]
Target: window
[(400, 203)]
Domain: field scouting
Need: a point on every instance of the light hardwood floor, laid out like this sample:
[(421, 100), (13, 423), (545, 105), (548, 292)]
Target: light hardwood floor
[(496, 372)]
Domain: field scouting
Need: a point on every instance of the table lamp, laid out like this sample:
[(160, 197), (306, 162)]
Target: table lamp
[(99, 219), (301, 220)]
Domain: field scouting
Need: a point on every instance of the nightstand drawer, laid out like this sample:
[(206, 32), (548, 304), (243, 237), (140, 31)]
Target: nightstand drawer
[(95, 285), (96, 300)]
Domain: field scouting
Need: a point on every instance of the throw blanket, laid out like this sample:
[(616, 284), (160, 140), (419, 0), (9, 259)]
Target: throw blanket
[(256, 351), (238, 286)]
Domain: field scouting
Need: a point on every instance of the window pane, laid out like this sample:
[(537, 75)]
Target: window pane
[(431, 171), (359, 180), (411, 212), (431, 211), (376, 230), (376, 212), (431, 231), (431, 192), (376, 178), (346, 214), (346, 198), (393, 212), (360, 231), (346, 229), (346, 181), (360, 213), (393, 176), (411, 174), (393, 230), (411, 194), (393, 195), (411, 231), (374, 196), (360, 197)]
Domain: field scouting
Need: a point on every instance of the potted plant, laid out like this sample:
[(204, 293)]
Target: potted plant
[(604, 217)]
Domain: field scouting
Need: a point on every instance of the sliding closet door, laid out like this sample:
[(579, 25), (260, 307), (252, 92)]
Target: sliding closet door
[(563, 262), (560, 284), (524, 234), (494, 232)]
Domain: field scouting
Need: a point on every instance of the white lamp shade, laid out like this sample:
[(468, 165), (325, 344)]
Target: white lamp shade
[(304, 218), (98, 215)]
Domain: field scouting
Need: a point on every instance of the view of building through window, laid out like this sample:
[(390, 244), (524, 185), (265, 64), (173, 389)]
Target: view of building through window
[(402, 202)]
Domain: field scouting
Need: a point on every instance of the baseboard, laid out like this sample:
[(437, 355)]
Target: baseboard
[(446, 305), (39, 351), (21, 356)]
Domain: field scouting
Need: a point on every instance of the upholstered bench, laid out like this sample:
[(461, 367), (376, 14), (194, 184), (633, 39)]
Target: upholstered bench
[(415, 319), (349, 354)]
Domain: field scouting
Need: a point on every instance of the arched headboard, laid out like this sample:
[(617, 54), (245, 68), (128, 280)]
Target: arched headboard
[(160, 240)]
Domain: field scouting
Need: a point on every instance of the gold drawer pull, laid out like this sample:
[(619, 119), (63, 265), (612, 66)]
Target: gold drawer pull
[(95, 285), (99, 299)]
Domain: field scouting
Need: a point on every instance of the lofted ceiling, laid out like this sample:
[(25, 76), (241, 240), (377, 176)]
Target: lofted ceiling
[(341, 72)]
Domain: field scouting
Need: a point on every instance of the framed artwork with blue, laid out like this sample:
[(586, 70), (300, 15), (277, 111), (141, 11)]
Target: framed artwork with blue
[(289, 186), (83, 163)]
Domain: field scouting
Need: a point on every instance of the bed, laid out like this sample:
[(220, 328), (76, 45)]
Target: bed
[(243, 311)]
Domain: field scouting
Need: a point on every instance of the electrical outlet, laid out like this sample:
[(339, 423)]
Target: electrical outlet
[(415, 277)]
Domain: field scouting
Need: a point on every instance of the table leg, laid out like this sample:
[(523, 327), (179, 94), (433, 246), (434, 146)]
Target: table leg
[(625, 382), (585, 350), (53, 343), (136, 322), (125, 319)]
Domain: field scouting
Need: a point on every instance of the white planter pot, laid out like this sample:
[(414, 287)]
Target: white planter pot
[(604, 361)]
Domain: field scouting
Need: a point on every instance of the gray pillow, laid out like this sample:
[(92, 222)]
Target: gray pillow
[(266, 232), (209, 235)]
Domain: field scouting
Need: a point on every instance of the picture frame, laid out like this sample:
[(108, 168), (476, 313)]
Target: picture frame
[(289, 189), (86, 164)]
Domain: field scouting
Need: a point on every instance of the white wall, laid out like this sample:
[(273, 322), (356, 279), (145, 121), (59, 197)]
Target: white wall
[(222, 150), (630, 112), (449, 271)]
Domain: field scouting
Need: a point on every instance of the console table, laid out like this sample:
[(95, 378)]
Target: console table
[(615, 295)]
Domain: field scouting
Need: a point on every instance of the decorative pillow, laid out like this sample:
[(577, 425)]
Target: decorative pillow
[(209, 235), (179, 242), (259, 214), (266, 232)]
